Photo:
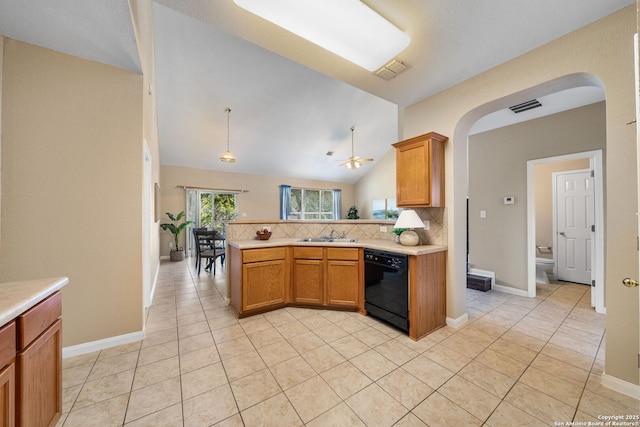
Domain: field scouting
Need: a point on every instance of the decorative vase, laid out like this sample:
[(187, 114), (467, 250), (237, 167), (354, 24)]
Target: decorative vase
[(176, 255)]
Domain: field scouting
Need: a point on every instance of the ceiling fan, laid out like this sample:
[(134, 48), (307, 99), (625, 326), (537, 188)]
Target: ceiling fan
[(354, 162)]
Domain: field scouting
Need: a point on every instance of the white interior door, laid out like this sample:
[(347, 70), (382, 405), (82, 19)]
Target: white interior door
[(574, 222)]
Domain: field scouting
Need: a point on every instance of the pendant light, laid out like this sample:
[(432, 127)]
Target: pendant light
[(227, 156)]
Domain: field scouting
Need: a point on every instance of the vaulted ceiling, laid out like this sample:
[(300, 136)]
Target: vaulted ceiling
[(292, 101)]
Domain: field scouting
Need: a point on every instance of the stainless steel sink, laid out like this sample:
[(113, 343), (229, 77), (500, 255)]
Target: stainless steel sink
[(328, 240)]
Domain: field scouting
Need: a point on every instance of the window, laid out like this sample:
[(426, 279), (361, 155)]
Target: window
[(311, 204)]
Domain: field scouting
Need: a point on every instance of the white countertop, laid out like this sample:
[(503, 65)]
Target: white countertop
[(379, 244), (18, 297)]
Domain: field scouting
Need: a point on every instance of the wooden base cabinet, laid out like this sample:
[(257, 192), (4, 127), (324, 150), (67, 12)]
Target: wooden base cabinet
[(308, 276), (39, 364), (427, 294), (344, 277), (8, 375)]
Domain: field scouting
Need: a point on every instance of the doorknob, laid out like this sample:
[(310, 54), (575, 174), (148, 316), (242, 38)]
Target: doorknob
[(630, 283), (562, 234)]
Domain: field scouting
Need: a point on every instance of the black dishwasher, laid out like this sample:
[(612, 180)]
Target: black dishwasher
[(386, 287)]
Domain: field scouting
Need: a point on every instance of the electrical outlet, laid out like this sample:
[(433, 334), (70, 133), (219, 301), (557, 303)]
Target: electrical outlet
[(170, 245), (383, 229), (427, 224)]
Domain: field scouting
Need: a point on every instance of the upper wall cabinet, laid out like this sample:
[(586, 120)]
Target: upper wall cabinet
[(420, 171)]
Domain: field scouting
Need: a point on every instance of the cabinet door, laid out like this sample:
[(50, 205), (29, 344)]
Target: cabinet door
[(413, 173), (343, 283), (308, 279), (7, 396), (40, 379), (263, 284)]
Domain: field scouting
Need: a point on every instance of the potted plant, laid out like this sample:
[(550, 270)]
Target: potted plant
[(177, 253), (353, 213), (398, 232)]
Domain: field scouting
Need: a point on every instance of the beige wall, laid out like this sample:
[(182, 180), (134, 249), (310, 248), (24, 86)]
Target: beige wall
[(498, 168), (142, 15), (544, 198), (71, 188), (599, 54), (378, 183), (261, 202)]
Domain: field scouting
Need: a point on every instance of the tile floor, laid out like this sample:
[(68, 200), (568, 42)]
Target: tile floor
[(518, 362)]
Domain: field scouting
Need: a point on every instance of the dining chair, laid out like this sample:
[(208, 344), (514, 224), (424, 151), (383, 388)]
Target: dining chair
[(208, 247), (194, 243)]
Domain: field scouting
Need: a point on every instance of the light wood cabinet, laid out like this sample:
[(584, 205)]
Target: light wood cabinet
[(8, 375), (39, 364), (427, 293), (258, 279), (326, 276), (420, 171)]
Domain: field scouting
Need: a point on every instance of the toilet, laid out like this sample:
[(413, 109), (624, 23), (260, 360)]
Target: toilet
[(542, 266)]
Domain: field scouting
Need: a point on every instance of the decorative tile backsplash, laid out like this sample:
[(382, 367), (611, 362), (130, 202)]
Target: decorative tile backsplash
[(358, 229)]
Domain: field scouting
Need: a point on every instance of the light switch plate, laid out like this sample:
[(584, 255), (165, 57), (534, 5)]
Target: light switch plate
[(509, 200)]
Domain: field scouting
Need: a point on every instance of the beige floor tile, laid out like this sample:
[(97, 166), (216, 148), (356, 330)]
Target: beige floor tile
[(152, 339), (156, 372), (104, 388), (235, 347), (254, 324), (373, 364), (266, 337), (113, 365), (420, 346), (538, 404), (596, 404), (473, 399), (345, 379), (203, 379), (243, 365), (371, 337), (338, 416), (192, 329), (437, 410), (513, 351), (76, 375), (428, 371), (69, 396), (410, 420), (221, 321), (254, 388), (524, 340), (311, 398), (158, 352), (82, 359), (463, 346), (315, 322), (275, 353), (153, 398), (507, 415), (210, 407), (564, 340), (196, 317), (105, 414), (195, 342), (447, 357), (564, 390), (574, 358), (305, 342), (199, 359), (291, 329), (405, 388), (594, 385), (323, 358), (560, 369), (375, 407), (351, 325), (349, 346), (292, 372), (275, 411), (168, 417), (330, 333), (489, 379), (119, 350), (232, 421), (228, 333), (396, 352)]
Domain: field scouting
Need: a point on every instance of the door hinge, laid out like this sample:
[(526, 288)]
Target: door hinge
[(593, 228), (593, 174), (593, 283), (639, 361)]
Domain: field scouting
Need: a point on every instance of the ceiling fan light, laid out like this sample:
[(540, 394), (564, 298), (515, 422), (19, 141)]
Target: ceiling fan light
[(348, 28)]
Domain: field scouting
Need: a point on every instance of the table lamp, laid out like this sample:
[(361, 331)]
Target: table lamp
[(409, 219)]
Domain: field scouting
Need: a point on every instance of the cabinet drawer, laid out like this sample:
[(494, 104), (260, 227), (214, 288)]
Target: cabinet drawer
[(301, 252), (267, 254), (348, 254), (7, 344), (36, 320)]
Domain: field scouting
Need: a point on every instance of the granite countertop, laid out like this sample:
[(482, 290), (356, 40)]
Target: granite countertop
[(18, 297), (379, 244)]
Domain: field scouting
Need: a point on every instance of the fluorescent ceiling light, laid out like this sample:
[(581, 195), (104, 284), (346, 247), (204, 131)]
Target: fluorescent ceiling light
[(348, 28)]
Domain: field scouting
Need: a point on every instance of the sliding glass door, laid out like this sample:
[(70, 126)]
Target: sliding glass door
[(209, 209)]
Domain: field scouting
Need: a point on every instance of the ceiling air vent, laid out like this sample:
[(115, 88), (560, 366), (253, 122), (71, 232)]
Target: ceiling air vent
[(529, 105), (391, 70)]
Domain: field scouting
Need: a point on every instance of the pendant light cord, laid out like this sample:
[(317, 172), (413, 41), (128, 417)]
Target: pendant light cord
[(228, 110)]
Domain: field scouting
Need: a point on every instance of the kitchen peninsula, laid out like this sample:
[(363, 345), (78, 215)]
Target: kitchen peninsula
[(31, 352), (265, 275)]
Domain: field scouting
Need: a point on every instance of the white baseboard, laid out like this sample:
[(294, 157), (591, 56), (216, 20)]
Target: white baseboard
[(164, 257), (153, 287), (510, 290), (457, 322), (621, 386), (76, 350)]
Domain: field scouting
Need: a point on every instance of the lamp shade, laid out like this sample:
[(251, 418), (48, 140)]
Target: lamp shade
[(409, 219)]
